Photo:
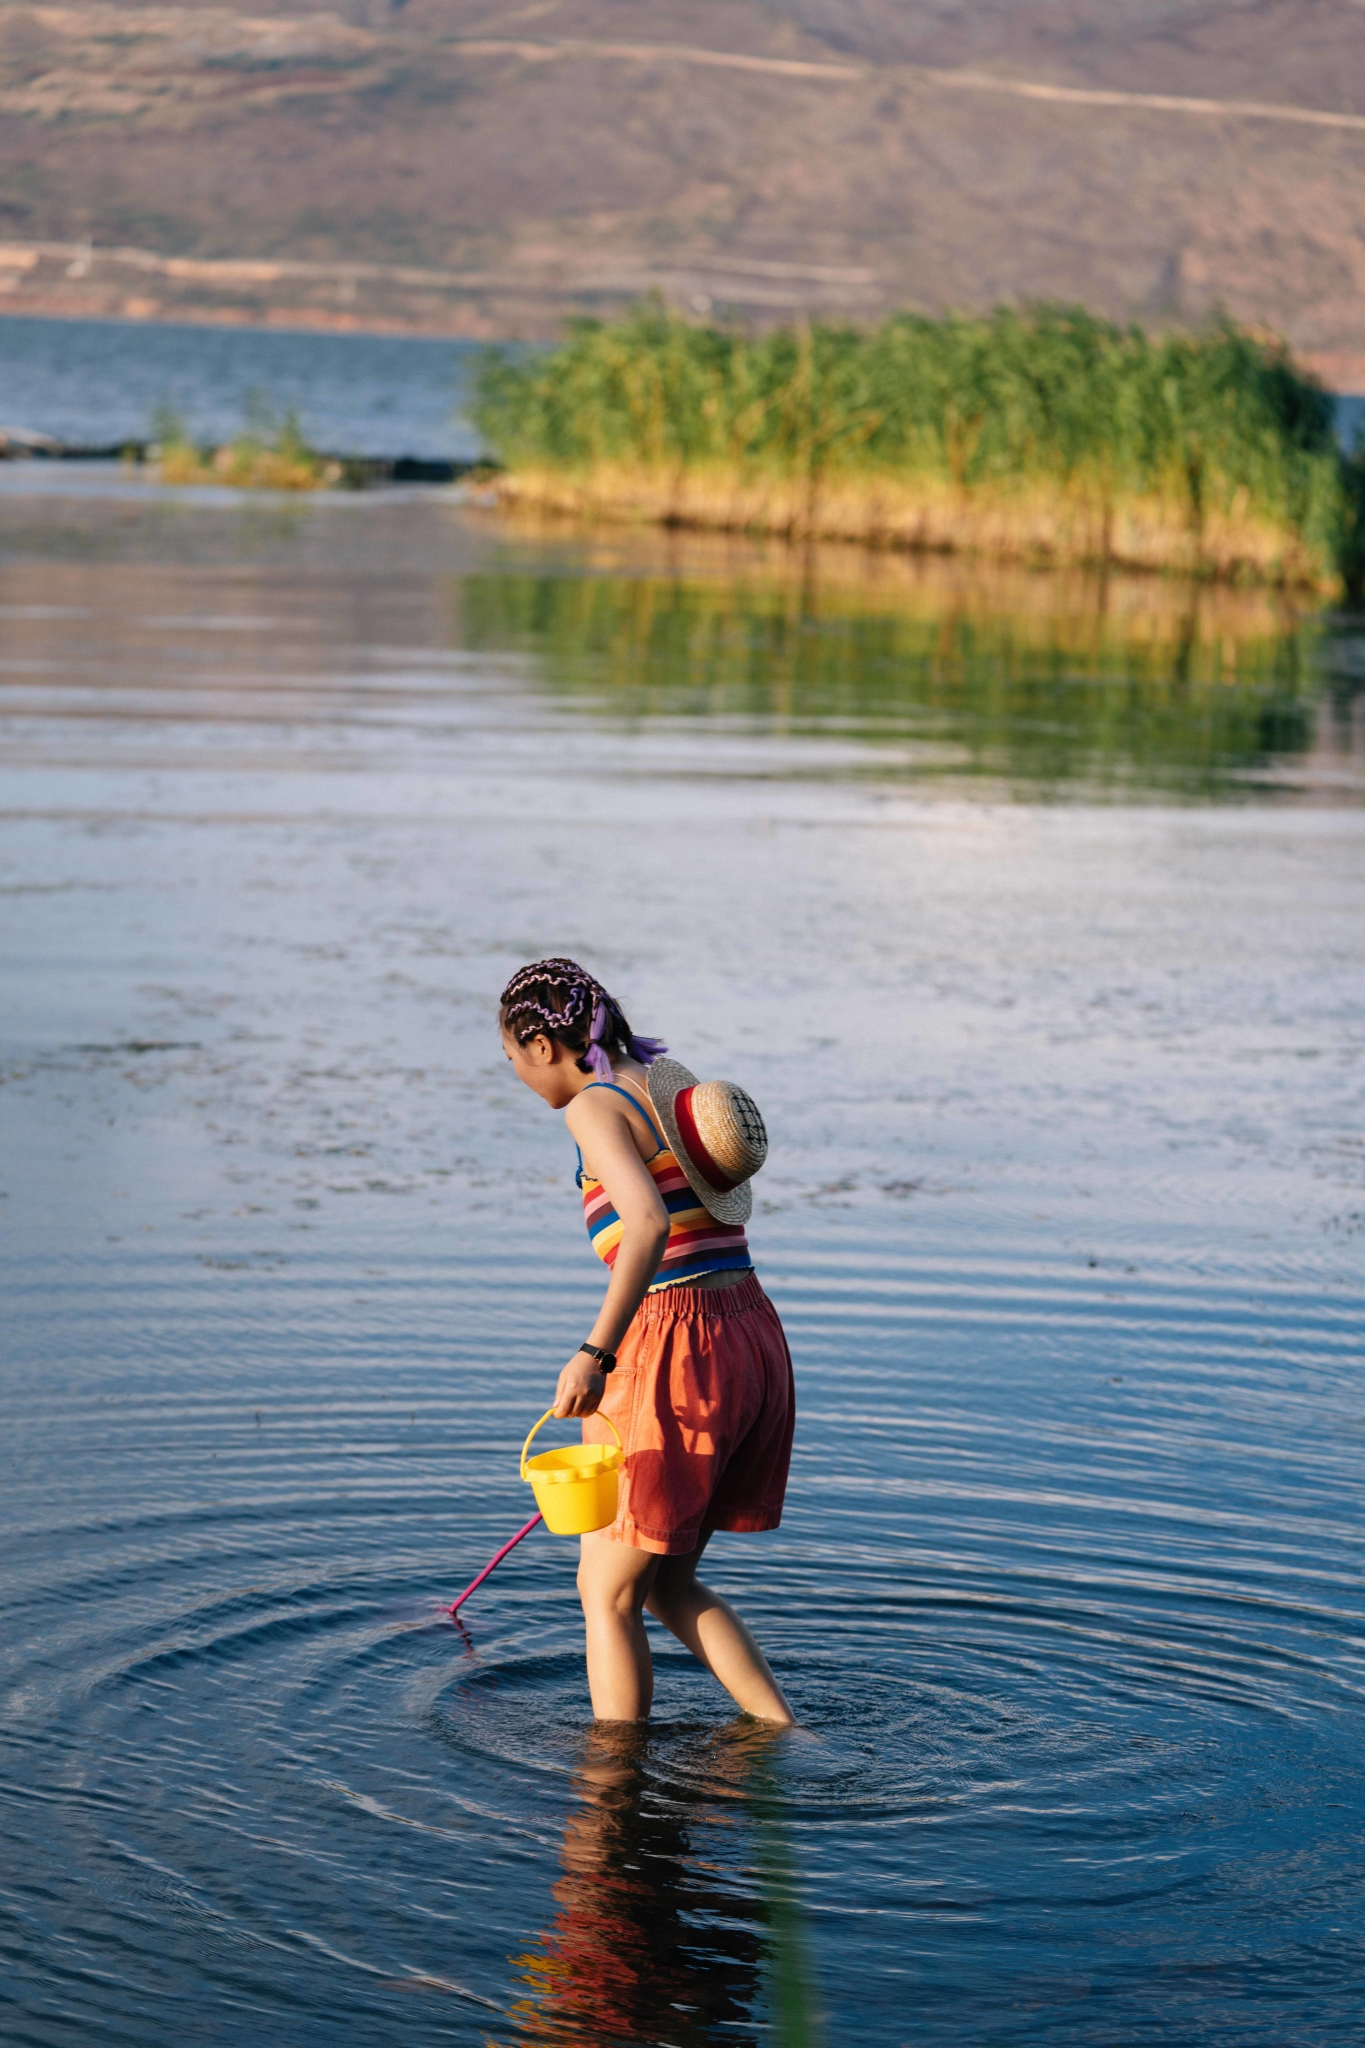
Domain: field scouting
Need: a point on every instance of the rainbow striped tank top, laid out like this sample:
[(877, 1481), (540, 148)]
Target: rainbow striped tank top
[(697, 1244)]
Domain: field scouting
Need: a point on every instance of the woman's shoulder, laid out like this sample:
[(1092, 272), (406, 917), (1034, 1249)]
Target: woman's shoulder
[(609, 1101)]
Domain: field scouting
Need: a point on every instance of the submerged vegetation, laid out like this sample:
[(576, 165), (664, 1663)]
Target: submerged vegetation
[(269, 454), (1046, 436)]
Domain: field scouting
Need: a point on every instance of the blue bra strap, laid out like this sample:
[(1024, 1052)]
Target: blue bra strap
[(663, 1142)]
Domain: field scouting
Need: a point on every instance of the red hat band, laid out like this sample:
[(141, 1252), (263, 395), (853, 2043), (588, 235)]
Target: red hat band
[(696, 1150)]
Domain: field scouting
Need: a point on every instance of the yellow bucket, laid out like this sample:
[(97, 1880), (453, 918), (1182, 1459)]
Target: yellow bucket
[(575, 1488)]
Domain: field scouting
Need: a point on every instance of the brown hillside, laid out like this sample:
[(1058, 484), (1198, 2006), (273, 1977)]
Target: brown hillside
[(461, 167)]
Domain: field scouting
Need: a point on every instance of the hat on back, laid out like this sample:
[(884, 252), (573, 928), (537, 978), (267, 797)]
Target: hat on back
[(716, 1134)]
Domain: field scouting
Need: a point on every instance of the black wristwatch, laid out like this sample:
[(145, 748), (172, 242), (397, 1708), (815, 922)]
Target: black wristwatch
[(606, 1360)]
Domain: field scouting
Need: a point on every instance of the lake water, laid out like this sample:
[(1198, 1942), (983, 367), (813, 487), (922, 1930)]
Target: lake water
[(94, 383), (1031, 911)]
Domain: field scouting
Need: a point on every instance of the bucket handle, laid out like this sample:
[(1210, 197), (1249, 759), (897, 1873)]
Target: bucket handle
[(568, 1418)]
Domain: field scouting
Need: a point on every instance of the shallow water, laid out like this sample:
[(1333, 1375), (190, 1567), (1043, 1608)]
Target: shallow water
[(1032, 915)]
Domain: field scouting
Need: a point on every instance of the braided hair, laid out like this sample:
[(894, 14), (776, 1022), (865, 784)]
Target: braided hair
[(561, 1001)]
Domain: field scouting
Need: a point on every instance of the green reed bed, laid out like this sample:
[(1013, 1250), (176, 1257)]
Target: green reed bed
[(1039, 436)]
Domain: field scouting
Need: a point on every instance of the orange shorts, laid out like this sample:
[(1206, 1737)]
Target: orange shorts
[(704, 1400)]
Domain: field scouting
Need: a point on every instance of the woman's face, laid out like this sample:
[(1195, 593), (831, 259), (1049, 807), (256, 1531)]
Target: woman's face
[(549, 1070)]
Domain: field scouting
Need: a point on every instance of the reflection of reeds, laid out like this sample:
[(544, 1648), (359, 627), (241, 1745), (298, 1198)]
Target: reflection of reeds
[(1225, 626), (797, 2018), (1050, 437), (1046, 677)]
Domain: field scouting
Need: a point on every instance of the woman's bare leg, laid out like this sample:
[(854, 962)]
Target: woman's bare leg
[(613, 1582), (715, 1635), (617, 1583)]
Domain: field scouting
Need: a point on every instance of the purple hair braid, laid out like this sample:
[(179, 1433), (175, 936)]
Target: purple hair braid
[(597, 1056)]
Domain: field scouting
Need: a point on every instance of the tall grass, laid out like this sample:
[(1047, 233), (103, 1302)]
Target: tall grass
[(1046, 435), (269, 454)]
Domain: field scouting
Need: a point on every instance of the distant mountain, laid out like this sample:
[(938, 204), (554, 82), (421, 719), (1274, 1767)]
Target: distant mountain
[(459, 167)]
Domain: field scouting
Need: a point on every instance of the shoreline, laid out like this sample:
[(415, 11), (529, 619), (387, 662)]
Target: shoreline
[(1029, 525)]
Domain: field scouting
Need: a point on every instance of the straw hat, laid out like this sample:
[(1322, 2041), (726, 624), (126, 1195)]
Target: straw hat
[(716, 1134)]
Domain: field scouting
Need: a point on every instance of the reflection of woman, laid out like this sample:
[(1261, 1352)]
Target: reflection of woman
[(687, 1357), (624, 1961)]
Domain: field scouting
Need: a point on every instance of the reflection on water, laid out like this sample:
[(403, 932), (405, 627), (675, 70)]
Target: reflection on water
[(797, 2011), (648, 1942), (1042, 680), (1064, 1215)]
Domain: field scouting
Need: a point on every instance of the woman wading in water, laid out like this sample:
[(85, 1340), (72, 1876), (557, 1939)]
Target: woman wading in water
[(687, 1356)]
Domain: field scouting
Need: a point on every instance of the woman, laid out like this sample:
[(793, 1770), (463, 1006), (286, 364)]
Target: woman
[(687, 1357)]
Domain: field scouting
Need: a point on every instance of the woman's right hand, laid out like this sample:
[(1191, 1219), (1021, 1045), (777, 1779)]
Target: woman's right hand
[(581, 1387)]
